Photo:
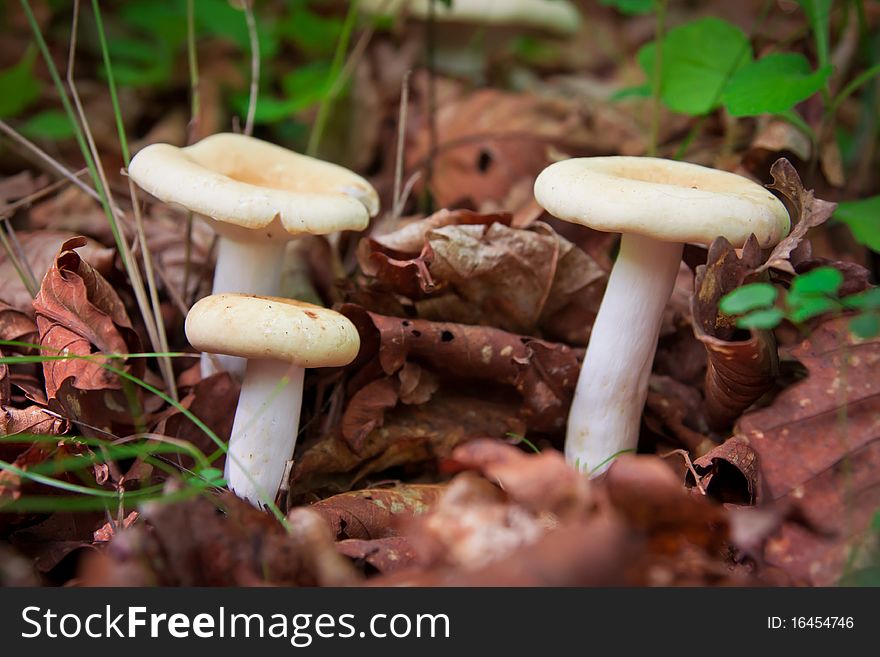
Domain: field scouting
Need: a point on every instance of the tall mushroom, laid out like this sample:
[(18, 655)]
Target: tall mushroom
[(279, 338), (459, 25), (256, 196), (657, 205)]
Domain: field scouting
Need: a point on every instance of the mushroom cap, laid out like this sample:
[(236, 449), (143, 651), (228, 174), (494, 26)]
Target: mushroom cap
[(271, 328), (558, 16), (668, 200), (245, 184)]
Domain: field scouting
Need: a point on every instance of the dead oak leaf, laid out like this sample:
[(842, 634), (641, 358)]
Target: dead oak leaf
[(544, 373), (813, 455), (373, 513), (806, 210), (738, 372), (80, 314)]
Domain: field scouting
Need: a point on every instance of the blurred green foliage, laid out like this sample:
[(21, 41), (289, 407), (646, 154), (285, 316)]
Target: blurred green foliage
[(810, 295)]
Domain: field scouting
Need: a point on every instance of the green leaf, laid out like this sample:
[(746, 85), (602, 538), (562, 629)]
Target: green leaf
[(220, 18), (810, 306), (316, 35), (140, 63), (630, 7), (748, 297), (697, 61), (50, 125), (819, 281), (309, 83), (772, 85), (164, 21), (866, 325), (761, 319), (19, 88), (867, 300), (211, 477), (863, 219)]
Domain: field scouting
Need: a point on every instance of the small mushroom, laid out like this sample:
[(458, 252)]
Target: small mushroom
[(256, 196), (657, 205), (279, 338), (462, 25)]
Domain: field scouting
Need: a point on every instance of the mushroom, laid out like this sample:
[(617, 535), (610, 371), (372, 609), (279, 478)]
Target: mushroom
[(256, 196), (458, 25), (279, 338), (657, 205)]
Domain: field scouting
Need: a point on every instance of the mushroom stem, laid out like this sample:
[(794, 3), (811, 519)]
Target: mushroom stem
[(250, 268), (264, 430), (612, 387)]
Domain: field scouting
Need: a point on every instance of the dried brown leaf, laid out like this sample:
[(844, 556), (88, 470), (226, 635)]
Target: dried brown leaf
[(79, 314), (814, 454), (191, 544), (544, 373), (40, 249), (373, 513), (739, 372), (805, 209)]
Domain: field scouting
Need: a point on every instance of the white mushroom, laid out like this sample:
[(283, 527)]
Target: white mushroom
[(256, 196), (460, 23), (657, 205), (279, 338)]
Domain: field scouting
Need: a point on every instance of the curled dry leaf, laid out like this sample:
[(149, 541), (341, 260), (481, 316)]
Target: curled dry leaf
[(424, 433), (219, 542), (405, 275), (729, 472), (544, 373), (79, 314), (411, 235), (375, 512), (819, 457), (739, 372), (40, 249), (475, 269), (513, 277), (108, 530), (805, 209)]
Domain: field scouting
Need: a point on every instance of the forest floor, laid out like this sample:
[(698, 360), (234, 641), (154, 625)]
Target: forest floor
[(435, 458)]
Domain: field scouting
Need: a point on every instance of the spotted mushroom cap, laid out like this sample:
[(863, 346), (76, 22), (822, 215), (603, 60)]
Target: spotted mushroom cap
[(243, 184), (667, 200), (272, 328)]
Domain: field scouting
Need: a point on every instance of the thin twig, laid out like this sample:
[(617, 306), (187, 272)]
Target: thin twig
[(690, 466), (397, 210), (27, 201), (147, 257), (25, 274), (150, 321), (192, 58), (657, 78), (195, 111), (431, 52), (254, 39), (401, 138), (53, 164), (339, 73)]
